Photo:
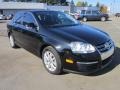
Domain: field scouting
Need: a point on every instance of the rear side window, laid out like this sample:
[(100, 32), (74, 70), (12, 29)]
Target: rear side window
[(83, 12), (95, 12), (88, 12)]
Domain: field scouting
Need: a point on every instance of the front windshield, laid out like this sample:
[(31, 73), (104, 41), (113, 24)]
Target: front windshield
[(55, 18)]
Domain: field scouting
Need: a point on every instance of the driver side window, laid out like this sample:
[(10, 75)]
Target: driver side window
[(29, 22), (19, 20)]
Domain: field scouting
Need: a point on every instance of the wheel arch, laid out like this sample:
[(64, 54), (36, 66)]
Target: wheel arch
[(44, 46), (57, 45), (9, 34)]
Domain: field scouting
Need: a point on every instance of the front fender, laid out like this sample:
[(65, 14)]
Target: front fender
[(60, 46)]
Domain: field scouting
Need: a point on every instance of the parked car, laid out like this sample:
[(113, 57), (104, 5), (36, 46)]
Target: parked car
[(75, 15), (2, 17), (117, 14), (93, 15), (9, 17), (62, 42)]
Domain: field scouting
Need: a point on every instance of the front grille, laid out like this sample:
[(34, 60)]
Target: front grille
[(106, 46)]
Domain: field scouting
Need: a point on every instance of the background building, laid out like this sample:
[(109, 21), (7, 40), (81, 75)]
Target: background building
[(18, 0), (7, 8), (12, 6)]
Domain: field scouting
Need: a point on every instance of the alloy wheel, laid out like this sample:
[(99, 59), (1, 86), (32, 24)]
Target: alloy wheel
[(50, 61), (11, 41)]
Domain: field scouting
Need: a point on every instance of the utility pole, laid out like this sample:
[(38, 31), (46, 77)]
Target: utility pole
[(114, 6)]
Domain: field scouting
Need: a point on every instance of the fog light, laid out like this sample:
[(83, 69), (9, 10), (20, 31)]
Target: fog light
[(69, 61)]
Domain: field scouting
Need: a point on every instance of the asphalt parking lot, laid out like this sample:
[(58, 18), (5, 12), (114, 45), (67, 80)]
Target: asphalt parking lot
[(21, 70)]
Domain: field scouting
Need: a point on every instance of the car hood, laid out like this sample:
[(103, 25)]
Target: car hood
[(84, 33)]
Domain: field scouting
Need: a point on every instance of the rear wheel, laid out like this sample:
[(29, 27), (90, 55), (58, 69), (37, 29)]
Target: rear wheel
[(12, 41), (51, 60)]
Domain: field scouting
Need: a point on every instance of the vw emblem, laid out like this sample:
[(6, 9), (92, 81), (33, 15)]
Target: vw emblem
[(107, 46)]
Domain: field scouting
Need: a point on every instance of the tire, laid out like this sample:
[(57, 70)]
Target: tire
[(103, 19), (12, 41), (52, 61), (84, 19), (76, 17)]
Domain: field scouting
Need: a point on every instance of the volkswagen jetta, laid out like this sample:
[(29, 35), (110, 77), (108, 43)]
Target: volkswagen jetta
[(62, 42)]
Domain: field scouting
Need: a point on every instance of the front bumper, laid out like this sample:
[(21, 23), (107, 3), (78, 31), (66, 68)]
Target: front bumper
[(89, 63)]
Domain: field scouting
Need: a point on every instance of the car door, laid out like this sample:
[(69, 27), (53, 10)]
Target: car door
[(89, 15), (17, 26), (96, 15), (82, 14), (30, 33)]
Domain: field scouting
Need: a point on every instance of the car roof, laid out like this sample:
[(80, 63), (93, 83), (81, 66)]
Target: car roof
[(33, 11), (38, 10)]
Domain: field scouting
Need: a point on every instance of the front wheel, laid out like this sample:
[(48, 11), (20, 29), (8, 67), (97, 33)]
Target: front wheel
[(51, 60), (103, 19), (84, 19)]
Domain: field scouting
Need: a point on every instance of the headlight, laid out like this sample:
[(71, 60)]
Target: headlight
[(80, 47)]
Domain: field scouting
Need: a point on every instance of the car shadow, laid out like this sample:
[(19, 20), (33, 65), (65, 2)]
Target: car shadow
[(109, 20), (97, 21), (115, 62)]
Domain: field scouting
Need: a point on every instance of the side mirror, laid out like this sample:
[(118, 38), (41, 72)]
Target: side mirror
[(33, 26)]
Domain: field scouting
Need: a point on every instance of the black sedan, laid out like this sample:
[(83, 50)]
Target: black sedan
[(62, 42)]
